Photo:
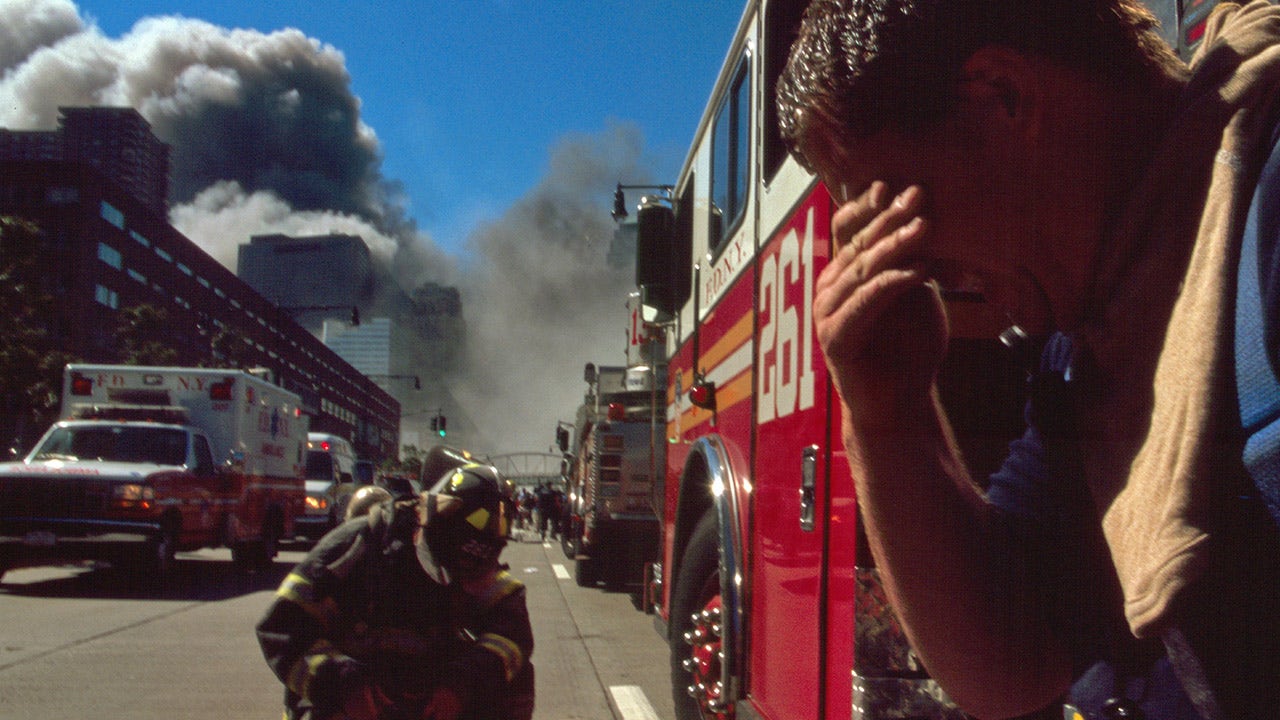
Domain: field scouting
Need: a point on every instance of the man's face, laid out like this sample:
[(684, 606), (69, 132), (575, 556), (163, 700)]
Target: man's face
[(977, 196)]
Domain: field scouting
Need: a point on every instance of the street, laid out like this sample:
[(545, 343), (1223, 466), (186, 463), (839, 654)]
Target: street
[(78, 641)]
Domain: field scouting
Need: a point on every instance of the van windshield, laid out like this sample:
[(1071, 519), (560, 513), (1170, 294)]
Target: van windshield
[(319, 465), (158, 446)]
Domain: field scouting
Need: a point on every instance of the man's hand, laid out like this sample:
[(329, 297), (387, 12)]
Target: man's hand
[(879, 322), (444, 705)]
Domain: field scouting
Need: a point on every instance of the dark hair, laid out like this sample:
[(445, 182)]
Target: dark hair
[(862, 65)]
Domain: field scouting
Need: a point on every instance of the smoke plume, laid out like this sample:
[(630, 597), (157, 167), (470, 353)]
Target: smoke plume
[(266, 137)]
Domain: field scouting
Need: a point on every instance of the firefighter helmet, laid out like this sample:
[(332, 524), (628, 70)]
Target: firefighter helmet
[(363, 500), (470, 534)]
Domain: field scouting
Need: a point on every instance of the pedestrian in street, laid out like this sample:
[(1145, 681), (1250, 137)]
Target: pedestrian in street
[(1058, 155), (545, 508)]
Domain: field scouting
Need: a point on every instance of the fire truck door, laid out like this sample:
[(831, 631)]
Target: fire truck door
[(801, 612)]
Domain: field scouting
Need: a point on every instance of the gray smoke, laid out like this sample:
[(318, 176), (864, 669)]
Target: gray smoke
[(266, 137), (544, 297)]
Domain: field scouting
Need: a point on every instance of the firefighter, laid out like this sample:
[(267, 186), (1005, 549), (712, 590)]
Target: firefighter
[(406, 613)]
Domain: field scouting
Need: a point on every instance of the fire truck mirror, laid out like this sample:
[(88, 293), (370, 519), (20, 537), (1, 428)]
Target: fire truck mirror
[(660, 261)]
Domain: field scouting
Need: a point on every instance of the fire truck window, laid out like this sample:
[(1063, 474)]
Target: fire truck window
[(781, 25), (730, 159)]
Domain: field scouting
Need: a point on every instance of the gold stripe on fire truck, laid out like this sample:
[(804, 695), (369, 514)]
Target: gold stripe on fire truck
[(724, 347)]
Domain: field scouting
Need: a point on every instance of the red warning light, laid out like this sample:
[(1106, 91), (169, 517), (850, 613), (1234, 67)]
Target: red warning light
[(81, 385)]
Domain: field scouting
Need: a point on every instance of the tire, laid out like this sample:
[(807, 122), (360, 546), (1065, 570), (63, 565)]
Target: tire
[(164, 551), (156, 559), (697, 589), (270, 545), (569, 543), (257, 555), (243, 556), (586, 571)]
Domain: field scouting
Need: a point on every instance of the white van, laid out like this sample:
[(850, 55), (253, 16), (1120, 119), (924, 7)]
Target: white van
[(330, 476)]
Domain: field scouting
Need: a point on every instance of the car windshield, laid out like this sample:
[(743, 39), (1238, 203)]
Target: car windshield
[(159, 446), (319, 465)]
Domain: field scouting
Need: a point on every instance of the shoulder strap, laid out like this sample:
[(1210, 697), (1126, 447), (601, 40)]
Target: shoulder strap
[(1256, 383)]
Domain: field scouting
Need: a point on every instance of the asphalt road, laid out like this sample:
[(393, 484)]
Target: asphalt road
[(80, 641)]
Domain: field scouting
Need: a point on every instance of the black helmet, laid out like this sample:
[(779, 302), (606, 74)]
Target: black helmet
[(473, 535), (440, 460), (363, 500)]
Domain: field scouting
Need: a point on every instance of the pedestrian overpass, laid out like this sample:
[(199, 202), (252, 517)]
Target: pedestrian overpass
[(528, 469)]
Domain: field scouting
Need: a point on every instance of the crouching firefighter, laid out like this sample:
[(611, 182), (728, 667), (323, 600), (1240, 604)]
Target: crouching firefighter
[(405, 612)]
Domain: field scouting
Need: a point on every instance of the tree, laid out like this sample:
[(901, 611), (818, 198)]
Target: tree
[(229, 348), (411, 460), (143, 337), (31, 361)]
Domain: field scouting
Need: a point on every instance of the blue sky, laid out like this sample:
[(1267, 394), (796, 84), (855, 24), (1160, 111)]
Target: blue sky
[(468, 98)]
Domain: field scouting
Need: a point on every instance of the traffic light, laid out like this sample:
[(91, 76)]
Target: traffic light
[(441, 429)]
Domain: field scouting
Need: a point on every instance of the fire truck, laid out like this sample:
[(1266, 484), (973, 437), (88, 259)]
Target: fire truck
[(770, 604), (147, 461), (612, 529)]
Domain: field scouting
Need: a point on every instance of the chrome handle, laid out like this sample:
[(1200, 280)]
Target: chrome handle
[(808, 484)]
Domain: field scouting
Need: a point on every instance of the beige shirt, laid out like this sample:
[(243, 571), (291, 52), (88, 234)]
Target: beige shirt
[(1158, 413)]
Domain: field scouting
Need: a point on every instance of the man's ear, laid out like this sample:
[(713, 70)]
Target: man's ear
[(1004, 87)]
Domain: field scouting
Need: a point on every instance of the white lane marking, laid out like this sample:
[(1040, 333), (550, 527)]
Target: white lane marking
[(561, 572), (631, 702)]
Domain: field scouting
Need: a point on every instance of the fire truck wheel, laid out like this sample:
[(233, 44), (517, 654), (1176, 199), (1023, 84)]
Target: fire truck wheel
[(569, 544), (586, 571), (695, 643)]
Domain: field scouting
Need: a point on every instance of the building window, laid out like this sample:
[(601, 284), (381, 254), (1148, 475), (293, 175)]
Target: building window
[(137, 276), (110, 255), (106, 296), (139, 238), (164, 255), (112, 214), (184, 269), (202, 281)]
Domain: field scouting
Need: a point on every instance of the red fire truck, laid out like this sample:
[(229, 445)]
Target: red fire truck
[(769, 603)]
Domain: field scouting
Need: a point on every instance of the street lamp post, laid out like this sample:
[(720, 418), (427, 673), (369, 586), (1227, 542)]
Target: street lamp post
[(620, 203)]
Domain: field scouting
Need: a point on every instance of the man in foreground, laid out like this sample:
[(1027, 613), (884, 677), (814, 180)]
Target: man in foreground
[(1059, 154)]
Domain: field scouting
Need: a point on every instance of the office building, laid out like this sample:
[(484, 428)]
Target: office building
[(105, 249)]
